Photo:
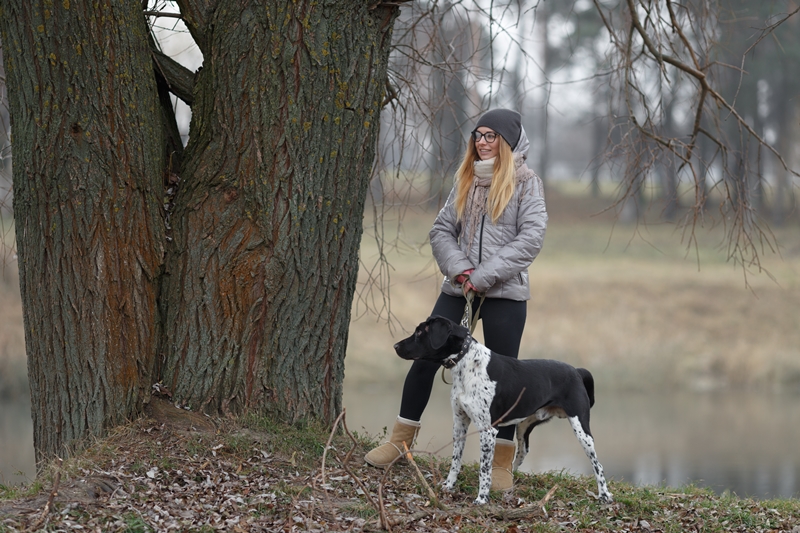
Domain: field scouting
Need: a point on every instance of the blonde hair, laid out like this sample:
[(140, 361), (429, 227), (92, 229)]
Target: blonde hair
[(503, 180)]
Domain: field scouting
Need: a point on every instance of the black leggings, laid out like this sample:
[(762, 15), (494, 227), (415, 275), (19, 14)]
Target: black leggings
[(503, 321)]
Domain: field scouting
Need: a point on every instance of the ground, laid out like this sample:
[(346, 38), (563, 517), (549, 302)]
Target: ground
[(174, 470)]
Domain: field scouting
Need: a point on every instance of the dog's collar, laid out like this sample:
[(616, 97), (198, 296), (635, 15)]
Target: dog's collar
[(453, 360)]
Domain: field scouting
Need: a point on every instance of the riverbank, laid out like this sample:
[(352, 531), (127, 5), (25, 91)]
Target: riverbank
[(176, 470)]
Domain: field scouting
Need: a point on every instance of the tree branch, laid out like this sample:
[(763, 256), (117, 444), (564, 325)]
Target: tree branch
[(180, 79), (661, 58), (163, 14)]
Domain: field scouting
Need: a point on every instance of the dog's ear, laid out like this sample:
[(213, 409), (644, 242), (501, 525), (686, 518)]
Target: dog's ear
[(439, 330)]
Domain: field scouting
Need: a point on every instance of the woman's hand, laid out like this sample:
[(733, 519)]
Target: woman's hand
[(464, 277), (463, 280)]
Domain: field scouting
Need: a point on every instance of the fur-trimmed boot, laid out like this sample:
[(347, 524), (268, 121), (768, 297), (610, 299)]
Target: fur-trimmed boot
[(502, 474), (404, 431)]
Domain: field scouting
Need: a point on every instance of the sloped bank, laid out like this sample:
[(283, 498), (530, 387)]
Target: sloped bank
[(179, 471)]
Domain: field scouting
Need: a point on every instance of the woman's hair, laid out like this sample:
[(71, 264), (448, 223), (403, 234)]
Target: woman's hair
[(503, 181)]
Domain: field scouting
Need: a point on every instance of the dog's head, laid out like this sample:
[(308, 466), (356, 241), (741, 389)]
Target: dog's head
[(435, 340)]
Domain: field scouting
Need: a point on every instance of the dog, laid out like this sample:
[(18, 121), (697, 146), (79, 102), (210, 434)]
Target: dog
[(488, 386)]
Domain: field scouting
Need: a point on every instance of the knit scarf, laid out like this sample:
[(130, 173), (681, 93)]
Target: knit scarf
[(478, 198)]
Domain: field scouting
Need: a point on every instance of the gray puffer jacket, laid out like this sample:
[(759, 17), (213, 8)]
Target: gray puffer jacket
[(501, 253)]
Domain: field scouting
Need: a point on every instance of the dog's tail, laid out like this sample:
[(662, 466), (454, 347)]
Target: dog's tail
[(588, 384)]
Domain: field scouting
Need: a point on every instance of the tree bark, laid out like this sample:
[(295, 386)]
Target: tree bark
[(267, 226), (87, 195)]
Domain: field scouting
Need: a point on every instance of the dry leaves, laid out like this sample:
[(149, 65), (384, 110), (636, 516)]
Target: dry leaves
[(157, 476)]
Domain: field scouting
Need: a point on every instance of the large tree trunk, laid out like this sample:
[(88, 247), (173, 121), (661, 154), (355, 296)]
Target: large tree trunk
[(268, 220), (87, 195), (250, 308)]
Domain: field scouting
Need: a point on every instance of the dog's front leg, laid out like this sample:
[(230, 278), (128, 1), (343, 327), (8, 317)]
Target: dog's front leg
[(460, 426), (488, 440)]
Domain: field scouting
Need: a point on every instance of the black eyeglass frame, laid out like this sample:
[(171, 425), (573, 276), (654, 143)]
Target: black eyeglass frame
[(476, 136)]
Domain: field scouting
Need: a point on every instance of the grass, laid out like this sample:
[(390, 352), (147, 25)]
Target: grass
[(11, 492), (302, 441), (135, 524)]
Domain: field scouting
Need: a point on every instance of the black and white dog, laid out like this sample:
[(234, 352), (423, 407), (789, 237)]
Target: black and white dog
[(485, 387)]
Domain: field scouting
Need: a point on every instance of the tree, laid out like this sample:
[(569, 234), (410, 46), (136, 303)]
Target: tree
[(244, 301)]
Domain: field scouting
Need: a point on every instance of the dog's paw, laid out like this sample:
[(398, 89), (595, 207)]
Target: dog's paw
[(606, 497), (447, 486), (602, 496), (481, 500)]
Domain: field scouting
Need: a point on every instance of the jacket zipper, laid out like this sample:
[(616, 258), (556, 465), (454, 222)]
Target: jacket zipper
[(480, 241)]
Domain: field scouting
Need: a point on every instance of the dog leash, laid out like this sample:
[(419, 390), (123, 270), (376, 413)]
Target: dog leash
[(468, 320)]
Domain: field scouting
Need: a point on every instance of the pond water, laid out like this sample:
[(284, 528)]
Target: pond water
[(742, 442), (746, 443), (17, 460)]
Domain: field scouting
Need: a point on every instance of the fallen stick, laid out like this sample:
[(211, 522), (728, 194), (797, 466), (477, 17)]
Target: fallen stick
[(341, 418), (524, 512), (42, 520), (328, 444), (432, 495)]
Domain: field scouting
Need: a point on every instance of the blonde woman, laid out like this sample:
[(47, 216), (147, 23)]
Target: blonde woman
[(485, 237)]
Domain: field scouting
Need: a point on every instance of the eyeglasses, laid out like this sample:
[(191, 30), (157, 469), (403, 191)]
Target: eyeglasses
[(489, 137)]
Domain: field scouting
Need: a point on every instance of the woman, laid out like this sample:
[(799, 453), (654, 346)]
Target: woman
[(485, 237)]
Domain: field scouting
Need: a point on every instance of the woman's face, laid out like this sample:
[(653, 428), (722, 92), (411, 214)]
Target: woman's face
[(487, 150)]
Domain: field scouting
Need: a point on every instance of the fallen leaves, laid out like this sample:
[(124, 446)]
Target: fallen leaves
[(152, 476)]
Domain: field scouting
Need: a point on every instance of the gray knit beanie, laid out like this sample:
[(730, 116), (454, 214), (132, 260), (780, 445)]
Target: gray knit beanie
[(505, 122)]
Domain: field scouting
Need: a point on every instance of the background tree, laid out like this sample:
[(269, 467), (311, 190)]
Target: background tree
[(658, 45)]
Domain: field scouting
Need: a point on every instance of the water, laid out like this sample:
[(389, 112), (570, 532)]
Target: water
[(17, 461), (742, 442)]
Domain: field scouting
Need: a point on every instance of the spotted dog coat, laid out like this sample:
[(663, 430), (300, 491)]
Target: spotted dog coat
[(486, 386)]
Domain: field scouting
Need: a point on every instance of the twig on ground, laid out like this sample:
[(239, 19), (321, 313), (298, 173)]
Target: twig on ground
[(432, 495), (347, 468), (414, 517), (328, 444), (523, 512), (343, 462), (42, 520), (382, 508)]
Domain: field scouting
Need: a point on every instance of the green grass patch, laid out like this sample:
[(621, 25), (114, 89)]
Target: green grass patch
[(303, 441), (12, 492)]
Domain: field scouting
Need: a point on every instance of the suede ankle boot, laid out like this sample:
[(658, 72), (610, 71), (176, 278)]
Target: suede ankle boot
[(502, 475), (404, 431)]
